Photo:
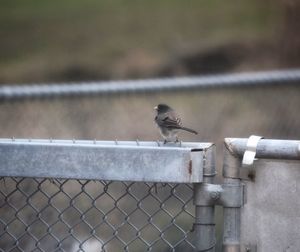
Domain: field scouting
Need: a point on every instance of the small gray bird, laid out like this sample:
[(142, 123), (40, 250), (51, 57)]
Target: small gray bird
[(169, 123)]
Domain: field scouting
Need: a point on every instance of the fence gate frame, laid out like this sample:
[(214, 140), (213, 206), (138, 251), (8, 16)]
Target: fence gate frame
[(138, 161), (235, 171)]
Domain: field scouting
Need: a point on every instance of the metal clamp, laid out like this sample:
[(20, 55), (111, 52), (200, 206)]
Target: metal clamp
[(227, 195), (250, 153)]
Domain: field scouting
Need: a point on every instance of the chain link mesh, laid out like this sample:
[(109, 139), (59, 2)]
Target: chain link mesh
[(81, 215)]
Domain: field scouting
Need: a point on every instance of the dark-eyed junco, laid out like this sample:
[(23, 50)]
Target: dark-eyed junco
[(169, 123)]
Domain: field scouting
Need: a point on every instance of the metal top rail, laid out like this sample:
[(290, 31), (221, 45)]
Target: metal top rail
[(266, 148), (150, 85), (104, 160)]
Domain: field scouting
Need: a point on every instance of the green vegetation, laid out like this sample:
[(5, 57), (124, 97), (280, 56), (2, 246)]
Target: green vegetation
[(45, 36)]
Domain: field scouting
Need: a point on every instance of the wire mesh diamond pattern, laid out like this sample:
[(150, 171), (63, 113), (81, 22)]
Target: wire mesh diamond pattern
[(83, 215)]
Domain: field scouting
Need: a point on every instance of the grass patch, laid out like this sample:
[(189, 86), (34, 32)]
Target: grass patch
[(98, 33)]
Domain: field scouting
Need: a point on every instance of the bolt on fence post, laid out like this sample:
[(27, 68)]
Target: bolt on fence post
[(232, 215), (204, 223)]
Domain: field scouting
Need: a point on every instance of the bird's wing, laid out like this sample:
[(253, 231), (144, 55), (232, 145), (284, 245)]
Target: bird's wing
[(170, 120)]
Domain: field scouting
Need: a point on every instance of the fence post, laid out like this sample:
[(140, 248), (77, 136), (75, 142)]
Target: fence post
[(204, 223), (231, 215)]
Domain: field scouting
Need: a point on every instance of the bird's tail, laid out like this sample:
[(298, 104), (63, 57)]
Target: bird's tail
[(190, 130)]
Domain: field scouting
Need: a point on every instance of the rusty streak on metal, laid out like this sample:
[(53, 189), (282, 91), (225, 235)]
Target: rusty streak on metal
[(190, 167)]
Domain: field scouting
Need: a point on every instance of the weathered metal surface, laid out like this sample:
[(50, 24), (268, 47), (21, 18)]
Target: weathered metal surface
[(121, 161), (205, 214), (231, 229), (204, 228), (231, 163), (227, 195), (266, 148), (271, 217)]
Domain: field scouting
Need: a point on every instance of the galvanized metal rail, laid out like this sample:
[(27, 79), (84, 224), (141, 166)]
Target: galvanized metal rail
[(266, 148), (103, 160), (281, 77)]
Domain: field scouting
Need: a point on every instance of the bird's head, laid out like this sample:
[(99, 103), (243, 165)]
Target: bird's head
[(162, 108)]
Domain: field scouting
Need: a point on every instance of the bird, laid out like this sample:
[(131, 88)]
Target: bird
[(169, 123)]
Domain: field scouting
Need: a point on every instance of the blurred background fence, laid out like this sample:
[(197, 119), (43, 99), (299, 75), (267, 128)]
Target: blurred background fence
[(217, 106)]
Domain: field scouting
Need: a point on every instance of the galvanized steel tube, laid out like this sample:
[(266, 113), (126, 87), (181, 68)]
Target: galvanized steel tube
[(205, 215), (266, 148), (232, 215)]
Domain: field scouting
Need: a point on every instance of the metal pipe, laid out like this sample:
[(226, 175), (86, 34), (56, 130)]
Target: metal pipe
[(205, 229), (232, 222), (232, 215), (269, 149), (150, 85), (205, 215)]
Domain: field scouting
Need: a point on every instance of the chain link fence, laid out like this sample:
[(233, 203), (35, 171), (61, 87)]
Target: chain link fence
[(81, 215), (85, 215), (67, 214)]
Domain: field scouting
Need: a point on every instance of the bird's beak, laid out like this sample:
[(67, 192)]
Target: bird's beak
[(155, 108)]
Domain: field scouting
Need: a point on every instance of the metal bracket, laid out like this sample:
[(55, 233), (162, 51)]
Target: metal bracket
[(250, 153), (227, 195)]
